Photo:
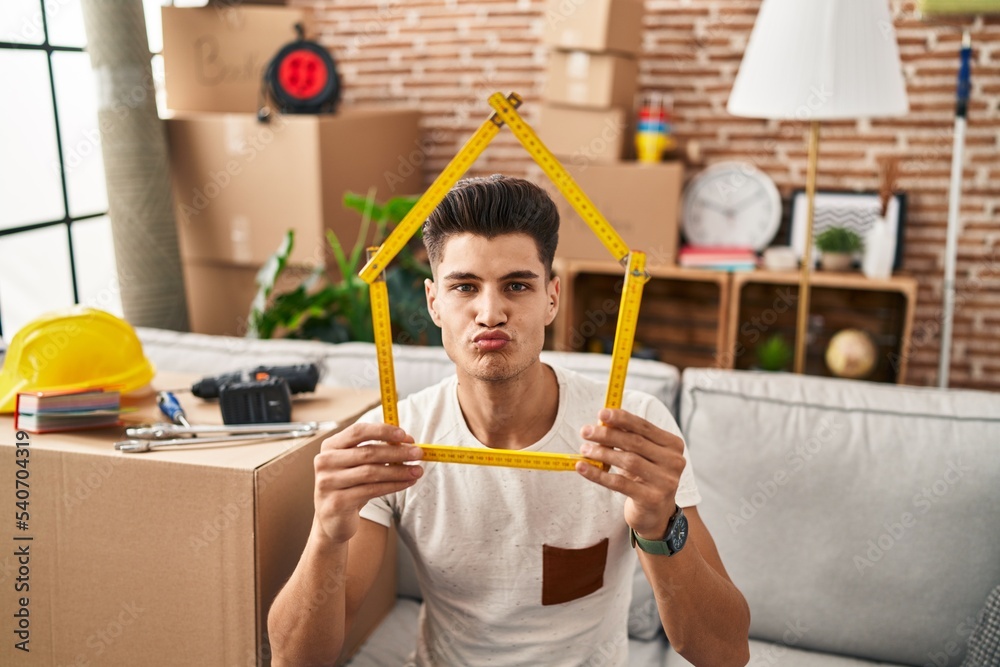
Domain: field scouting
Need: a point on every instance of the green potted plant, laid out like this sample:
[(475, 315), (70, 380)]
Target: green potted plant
[(339, 310), (838, 246), (774, 354)]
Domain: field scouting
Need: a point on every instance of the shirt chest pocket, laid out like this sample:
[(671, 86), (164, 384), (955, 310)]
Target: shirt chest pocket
[(570, 574)]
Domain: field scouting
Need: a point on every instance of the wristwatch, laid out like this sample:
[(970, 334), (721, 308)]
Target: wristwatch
[(672, 542)]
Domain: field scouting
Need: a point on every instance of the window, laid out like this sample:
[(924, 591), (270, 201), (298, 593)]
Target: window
[(55, 236)]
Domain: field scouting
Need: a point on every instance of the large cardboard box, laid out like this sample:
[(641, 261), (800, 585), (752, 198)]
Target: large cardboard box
[(165, 558), (639, 200), (581, 136), (594, 25), (239, 184), (214, 57), (219, 295), (597, 80)]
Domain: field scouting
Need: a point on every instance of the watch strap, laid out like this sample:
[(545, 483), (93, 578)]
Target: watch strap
[(658, 547)]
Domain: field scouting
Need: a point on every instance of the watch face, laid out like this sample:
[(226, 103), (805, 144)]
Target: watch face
[(731, 204), (680, 535)]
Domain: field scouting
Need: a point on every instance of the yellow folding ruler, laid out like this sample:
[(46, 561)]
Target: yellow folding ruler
[(505, 109), (505, 458)]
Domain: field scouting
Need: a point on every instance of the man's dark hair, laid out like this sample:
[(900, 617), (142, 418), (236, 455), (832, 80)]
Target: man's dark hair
[(492, 206)]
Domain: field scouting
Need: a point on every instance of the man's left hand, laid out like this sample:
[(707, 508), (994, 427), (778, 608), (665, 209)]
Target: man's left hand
[(649, 462)]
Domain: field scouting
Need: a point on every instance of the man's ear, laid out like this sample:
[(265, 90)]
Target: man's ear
[(553, 292), (430, 291)]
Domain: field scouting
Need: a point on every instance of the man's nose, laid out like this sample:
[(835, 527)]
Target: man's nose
[(491, 311)]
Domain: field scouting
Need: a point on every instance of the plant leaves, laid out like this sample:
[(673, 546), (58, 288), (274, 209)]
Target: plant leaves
[(397, 208), (339, 310), (258, 324)]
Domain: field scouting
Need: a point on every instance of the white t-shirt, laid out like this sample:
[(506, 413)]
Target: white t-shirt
[(477, 534)]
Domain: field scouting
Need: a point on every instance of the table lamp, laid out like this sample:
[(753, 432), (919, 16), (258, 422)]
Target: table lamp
[(815, 61)]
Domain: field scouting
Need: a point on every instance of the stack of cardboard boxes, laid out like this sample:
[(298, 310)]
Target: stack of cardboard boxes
[(587, 120), (239, 183)]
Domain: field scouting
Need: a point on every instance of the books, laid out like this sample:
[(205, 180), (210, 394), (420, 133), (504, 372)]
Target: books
[(718, 258), (53, 411)]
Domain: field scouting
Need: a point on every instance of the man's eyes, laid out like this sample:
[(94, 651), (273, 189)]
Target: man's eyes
[(512, 287)]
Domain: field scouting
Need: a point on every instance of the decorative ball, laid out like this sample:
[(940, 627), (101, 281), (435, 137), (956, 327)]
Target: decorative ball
[(851, 354)]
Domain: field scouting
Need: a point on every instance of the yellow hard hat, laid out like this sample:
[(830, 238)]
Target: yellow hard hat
[(75, 348)]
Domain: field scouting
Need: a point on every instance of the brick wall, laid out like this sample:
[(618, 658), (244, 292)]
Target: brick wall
[(447, 57)]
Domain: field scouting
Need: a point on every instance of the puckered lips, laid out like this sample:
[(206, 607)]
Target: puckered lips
[(491, 341)]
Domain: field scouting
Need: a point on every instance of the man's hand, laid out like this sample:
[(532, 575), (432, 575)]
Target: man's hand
[(649, 462), (348, 476)]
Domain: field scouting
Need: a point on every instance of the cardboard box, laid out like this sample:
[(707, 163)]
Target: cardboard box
[(163, 558), (581, 136), (214, 57), (639, 200), (239, 185), (596, 80), (219, 295), (594, 25)]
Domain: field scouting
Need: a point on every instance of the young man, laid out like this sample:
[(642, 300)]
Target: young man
[(516, 567)]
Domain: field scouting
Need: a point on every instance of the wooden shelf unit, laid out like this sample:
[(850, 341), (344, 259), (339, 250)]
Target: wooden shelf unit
[(702, 318), (682, 319), (764, 303)]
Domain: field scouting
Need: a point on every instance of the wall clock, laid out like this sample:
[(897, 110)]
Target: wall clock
[(731, 204)]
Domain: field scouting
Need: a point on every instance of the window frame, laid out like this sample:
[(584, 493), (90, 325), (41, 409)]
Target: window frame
[(67, 220)]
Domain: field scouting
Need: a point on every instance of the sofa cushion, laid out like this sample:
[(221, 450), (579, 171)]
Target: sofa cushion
[(393, 640), (867, 513), (770, 654)]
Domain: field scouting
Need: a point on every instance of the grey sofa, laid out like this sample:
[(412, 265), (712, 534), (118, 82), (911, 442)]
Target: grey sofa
[(861, 521)]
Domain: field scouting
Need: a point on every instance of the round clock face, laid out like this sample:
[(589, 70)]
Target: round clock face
[(731, 204)]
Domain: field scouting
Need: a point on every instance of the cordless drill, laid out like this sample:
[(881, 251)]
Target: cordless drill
[(261, 395), (300, 379)]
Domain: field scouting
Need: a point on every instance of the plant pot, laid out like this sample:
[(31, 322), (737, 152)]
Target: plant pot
[(835, 261)]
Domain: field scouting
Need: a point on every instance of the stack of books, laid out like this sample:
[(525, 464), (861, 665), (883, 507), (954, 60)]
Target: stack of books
[(53, 411), (718, 258)]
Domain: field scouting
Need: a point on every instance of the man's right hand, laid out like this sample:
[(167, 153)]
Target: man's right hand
[(348, 476)]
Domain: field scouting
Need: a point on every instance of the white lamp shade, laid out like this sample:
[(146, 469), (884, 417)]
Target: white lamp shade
[(820, 60)]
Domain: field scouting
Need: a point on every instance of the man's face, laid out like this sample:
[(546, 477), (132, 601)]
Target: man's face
[(492, 300)]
